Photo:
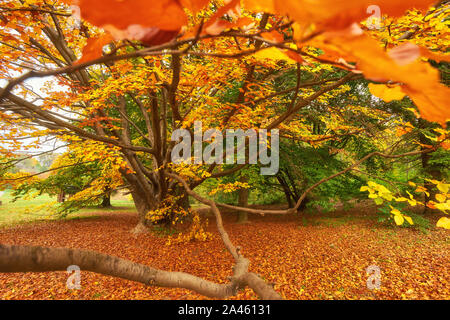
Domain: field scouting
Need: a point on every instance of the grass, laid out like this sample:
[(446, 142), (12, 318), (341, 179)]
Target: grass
[(37, 208)]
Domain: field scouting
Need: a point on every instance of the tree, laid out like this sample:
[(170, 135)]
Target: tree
[(87, 182), (144, 76)]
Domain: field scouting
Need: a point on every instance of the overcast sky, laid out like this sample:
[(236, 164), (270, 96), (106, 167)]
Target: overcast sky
[(36, 84)]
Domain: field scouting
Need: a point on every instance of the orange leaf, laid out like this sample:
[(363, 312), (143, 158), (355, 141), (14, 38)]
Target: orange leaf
[(245, 22), (215, 24), (294, 56), (260, 5), (93, 48), (194, 5), (401, 131), (421, 82), (434, 56), (273, 36), (334, 14), (163, 14)]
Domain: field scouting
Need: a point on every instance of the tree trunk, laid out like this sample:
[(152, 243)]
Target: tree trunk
[(243, 201), (143, 193), (287, 192), (432, 171), (61, 196), (142, 208), (106, 201), (146, 202), (434, 174)]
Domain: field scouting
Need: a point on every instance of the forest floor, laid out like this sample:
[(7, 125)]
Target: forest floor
[(312, 256)]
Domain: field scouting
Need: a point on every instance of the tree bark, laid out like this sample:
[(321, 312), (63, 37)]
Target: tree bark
[(144, 199), (43, 259), (106, 200), (61, 196), (142, 208), (287, 192), (432, 171)]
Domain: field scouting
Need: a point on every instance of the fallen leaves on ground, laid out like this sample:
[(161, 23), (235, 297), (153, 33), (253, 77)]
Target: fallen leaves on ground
[(314, 257)]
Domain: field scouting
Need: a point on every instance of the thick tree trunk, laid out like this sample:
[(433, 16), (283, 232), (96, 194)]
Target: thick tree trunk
[(143, 194), (142, 208), (243, 201), (145, 203), (106, 201)]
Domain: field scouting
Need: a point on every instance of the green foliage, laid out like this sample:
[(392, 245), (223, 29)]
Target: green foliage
[(307, 165), (440, 160), (68, 180)]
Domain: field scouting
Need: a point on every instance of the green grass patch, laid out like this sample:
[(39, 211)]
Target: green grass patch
[(34, 209)]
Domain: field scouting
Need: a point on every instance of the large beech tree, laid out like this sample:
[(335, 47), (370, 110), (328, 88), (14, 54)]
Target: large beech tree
[(129, 73)]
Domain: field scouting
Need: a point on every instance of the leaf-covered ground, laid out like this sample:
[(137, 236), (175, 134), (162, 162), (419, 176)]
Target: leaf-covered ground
[(314, 257)]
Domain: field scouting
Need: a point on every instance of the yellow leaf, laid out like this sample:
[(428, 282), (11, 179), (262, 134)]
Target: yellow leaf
[(443, 187), (379, 201), (386, 93), (410, 221), (433, 181), (399, 219), (443, 206), (387, 196), (443, 222), (372, 184), (272, 53), (441, 197)]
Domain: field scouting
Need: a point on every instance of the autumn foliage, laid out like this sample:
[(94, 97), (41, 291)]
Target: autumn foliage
[(357, 89)]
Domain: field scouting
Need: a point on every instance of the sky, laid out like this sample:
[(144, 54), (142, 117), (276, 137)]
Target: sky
[(36, 84)]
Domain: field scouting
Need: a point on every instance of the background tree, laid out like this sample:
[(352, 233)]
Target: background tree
[(75, 183)]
